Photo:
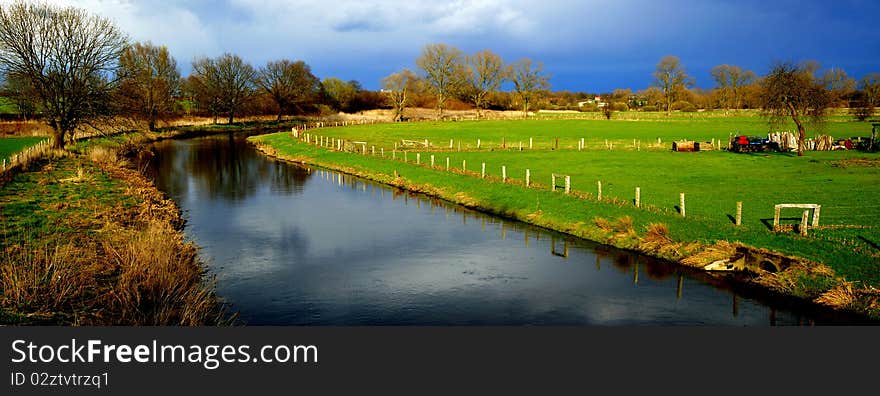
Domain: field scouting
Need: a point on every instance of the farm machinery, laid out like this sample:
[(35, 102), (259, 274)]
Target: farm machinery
[(752, 144)]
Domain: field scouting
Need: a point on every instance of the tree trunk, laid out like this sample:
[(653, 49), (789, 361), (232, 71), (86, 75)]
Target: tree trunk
[(231, 117), (57, 138), (802, 138), (152, 124), (802, 133)]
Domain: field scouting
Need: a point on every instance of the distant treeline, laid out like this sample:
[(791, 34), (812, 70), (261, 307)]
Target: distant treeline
[(48, 74)]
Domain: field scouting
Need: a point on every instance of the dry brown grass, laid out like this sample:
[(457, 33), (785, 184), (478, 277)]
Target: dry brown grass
[(603, 224), (721, 250), (839, 297), (160, 279), (657, 240), (623, 228), (801, 279), (131, 277), (42, 281), (24, 128), (103, 155), (136, 270)]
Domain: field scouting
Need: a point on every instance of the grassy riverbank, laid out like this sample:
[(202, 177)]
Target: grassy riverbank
[(86, 240), (12, 145), (836, 265)]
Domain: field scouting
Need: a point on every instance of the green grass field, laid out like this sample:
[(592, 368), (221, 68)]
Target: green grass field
[(845, 183), (9, 146), (7, 106), (618, 133)]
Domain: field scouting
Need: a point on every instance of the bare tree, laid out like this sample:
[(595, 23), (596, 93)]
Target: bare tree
[(528, 80), (867, 97), (731, 80), (672, 79), (67, 55), (792, 92), (652, 96), (443, 71), (289, 84), (398, 86), (839, 85), (484, 73), (225, 84), (148, 81)]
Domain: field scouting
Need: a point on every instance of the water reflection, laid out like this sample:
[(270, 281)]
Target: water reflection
[(220, 169), (301, 245)]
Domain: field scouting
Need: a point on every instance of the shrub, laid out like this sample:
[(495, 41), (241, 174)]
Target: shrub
[(684, 106)]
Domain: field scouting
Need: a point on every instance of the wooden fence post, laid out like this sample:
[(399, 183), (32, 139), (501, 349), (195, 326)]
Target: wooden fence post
[(464, 165), (599, 185), (553, 181), (450, 144), (638, 197), (383, 152), (373, 150), (567, 184), (739, 212), (418, 158), (530, 143), (776, 213), (447, 164), (478, 144), (483, 171), (683, 213), (503, 173), (528, 177), (432, 160), (804, 218)]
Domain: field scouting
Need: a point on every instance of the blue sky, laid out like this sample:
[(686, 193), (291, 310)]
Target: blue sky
[(592, 46)]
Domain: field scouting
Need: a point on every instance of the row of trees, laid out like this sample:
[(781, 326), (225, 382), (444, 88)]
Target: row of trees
[(448, 73), (78, 69), (737, 88)]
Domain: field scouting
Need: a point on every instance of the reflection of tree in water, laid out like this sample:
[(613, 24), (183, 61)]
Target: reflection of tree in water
[(222, 168)]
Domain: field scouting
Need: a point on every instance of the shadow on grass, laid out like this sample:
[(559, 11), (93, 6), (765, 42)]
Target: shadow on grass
[(869, 242), (771, 154), (769, 222)]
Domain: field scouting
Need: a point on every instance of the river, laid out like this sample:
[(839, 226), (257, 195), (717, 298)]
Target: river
[(298, 245)]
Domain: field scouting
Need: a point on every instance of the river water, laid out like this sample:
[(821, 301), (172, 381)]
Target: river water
[(297, 245)]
